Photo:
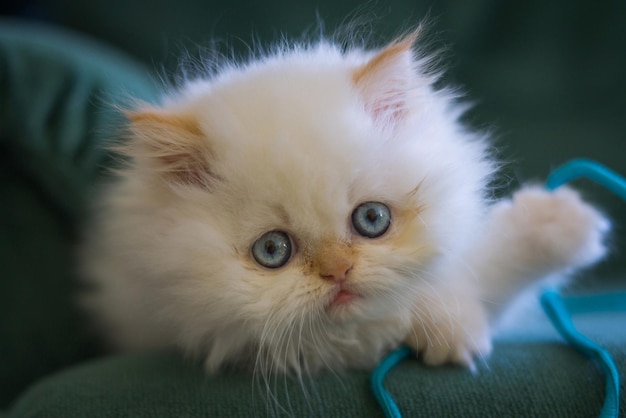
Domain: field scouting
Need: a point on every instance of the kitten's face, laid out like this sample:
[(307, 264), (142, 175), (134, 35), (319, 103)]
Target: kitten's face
[(305, 204), (300, 166), (295, 193)]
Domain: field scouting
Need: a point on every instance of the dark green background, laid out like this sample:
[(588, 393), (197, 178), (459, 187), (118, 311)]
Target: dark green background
[(546, 77)]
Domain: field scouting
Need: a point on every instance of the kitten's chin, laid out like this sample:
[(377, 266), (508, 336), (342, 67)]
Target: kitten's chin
[(351, 305), (343, 304), (356, 306), (344, 297)]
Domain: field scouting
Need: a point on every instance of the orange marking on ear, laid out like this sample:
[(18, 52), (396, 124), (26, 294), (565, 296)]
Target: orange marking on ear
[(384, 57), (155, 118), (173, 144), (386, 80)]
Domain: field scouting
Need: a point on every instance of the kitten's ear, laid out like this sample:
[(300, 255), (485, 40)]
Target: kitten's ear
[(171, 144), (386, 80)]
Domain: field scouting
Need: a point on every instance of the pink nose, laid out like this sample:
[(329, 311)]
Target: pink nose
[(338, 272)]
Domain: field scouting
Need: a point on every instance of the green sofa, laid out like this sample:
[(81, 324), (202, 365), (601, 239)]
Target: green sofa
[(547, 76)]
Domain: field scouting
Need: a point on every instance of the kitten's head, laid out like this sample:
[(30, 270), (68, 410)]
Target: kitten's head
[(302, 194)]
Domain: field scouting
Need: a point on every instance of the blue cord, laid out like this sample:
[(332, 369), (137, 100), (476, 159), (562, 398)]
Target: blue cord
[(382, 396), (592, 170), (558, 308)]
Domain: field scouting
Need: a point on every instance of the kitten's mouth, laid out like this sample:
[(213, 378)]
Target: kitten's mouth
[(343, 297)]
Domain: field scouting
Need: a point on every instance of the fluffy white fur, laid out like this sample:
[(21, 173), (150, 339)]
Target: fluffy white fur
[(295, 141)]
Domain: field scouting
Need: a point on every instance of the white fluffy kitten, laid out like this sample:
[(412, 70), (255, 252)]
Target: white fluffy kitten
[(315, 209)]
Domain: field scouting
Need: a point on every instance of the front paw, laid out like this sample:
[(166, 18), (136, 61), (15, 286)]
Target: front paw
[(443, 338), (556, 229)]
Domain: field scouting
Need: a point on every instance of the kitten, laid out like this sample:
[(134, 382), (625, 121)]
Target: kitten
[(314, 209)]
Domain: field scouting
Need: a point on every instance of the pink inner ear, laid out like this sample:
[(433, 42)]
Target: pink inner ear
[(186, 168), (386, 80), (389, 109)]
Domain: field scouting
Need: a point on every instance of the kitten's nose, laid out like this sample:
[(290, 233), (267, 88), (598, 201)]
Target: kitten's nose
[(337, 272)]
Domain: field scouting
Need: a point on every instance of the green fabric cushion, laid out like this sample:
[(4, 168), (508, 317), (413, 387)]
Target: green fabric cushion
[(55, 95), (522, 380), (534, 375)]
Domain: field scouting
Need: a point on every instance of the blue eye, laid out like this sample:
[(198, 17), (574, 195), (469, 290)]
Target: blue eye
[(371, 219), (272, 250)]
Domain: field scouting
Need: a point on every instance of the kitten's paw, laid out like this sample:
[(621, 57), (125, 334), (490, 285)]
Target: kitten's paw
[(554, 229), (451, 338)]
